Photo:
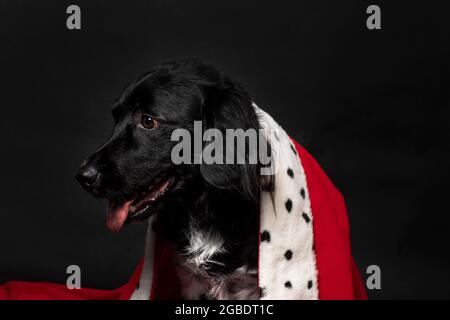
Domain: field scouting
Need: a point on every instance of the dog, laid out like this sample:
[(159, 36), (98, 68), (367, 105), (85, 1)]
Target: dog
[(209, 212)]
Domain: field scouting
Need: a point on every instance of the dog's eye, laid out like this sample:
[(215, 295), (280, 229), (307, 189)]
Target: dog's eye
[(147, 122)]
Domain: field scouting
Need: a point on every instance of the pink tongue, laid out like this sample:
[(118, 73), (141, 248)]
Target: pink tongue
[(117, 215)]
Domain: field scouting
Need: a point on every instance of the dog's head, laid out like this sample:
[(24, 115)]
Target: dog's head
[(134, 170)]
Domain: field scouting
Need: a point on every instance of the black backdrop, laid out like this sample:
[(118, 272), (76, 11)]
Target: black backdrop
[(371, 106)]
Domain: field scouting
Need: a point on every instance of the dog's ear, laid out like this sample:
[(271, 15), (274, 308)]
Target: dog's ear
[(228, 106)]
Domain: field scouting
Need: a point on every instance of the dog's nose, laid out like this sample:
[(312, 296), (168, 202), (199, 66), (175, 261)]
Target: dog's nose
[(87, 176)]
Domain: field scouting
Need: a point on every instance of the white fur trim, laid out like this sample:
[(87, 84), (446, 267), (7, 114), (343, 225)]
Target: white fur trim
[(287, 263)]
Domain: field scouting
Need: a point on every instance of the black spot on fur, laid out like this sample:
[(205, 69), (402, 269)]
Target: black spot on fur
[(293, 149), (310, 284), (305, 216), (138, 285), (290, 173), (262, 292), (288, 254), (288, 284), (265, 236), (302, 193), (288, 205)]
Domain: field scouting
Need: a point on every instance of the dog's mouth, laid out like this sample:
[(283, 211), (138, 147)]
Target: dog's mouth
[(136, 208)]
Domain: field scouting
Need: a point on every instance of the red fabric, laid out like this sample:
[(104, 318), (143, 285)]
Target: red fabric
[(19, 290), (338, 276)]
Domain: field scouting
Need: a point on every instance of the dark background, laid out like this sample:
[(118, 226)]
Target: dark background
[(371, 106)]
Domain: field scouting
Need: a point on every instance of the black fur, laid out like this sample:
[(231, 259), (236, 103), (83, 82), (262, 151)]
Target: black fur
[(222, 197)]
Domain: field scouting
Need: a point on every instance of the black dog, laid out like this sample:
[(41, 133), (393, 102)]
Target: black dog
[(214, 204)]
